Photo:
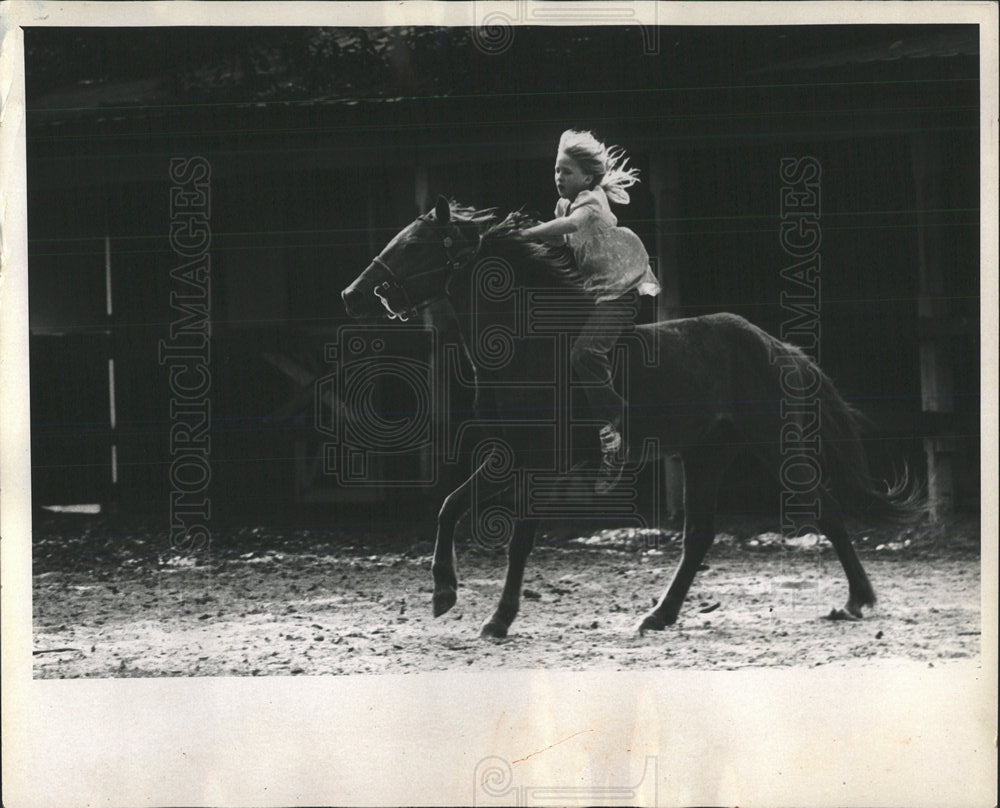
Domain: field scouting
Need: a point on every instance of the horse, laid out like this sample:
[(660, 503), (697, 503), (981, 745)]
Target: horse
[(705, 388)]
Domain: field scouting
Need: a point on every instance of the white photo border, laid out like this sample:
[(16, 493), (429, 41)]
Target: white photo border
[(897, 735)]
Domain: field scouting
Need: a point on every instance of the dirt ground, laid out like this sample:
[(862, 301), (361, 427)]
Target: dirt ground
[(317, 605)]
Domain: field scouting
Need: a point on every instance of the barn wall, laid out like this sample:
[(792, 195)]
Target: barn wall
[(301, 200)]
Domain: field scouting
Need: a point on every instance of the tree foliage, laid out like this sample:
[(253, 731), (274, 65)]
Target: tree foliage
[(180, 65)]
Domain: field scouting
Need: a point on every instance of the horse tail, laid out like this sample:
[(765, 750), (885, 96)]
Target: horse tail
[(894, 502), (810, 397)]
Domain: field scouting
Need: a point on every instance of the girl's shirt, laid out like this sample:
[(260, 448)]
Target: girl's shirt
[(613, 259)]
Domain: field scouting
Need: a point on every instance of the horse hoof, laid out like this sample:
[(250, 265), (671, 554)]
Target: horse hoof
[(651, 622), (492, 630), (444, 600), (844, 614)]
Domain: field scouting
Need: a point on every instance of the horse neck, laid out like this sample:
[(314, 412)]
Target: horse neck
[(491, 313)]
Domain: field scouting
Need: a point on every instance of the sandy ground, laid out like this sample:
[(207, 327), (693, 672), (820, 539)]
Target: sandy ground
[(322, 608)]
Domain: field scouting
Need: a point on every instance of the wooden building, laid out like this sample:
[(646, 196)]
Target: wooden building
[(306, 188)]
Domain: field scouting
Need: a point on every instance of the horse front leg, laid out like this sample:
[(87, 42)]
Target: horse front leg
[(522, 540), (443, 565)]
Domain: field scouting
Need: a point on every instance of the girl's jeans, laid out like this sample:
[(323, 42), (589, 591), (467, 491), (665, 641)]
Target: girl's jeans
[(590, 355)]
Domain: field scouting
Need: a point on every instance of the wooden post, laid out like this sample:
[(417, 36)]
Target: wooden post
[(429, 461), (936, 380), (664, 184), (421, 188), (114, 499), (372, 224)]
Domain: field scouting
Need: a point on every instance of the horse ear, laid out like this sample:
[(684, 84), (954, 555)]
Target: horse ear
[(442, 210)]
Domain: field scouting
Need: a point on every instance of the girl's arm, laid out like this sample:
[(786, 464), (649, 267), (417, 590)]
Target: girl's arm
[(556, 228)]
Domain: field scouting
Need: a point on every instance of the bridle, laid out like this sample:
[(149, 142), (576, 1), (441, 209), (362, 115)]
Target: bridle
[(395, 285)]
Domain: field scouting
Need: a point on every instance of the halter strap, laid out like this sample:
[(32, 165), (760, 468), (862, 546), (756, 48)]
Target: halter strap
[(397, 283)]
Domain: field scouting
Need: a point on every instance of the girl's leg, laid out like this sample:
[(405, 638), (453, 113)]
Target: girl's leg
[(591, 361)]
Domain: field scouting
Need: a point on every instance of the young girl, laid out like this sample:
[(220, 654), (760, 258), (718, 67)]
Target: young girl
[(615, 267)]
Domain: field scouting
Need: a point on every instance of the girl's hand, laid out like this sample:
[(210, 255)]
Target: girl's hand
[(555, 229)]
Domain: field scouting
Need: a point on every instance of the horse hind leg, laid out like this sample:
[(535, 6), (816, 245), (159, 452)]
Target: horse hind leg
[(703, 469), (860, 590), (818, 511), (522, 541)]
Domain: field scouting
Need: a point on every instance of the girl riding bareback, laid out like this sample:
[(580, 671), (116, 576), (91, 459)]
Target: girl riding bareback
[(615, 269)]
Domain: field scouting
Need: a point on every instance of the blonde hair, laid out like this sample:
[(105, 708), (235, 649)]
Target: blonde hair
[(607, 164)]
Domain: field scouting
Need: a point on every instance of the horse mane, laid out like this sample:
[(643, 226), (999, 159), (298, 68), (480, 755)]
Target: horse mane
[(497, 233), (466, 214), (556, 259)]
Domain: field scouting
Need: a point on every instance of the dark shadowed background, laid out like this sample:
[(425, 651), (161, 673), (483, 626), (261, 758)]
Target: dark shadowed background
[(323, 143)]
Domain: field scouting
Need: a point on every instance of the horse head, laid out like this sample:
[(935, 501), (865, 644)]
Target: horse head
[(414, 268)]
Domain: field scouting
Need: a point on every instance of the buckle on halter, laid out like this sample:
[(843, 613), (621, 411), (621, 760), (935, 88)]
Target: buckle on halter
[(402, 316)]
